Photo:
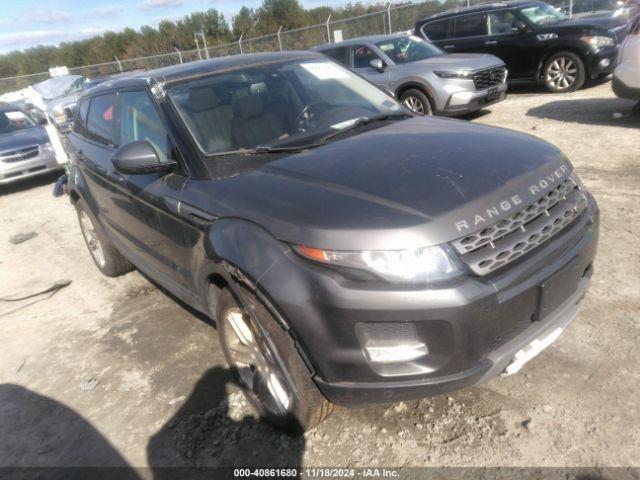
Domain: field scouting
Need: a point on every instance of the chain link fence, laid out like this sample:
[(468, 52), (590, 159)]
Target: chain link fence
[(394, 18)]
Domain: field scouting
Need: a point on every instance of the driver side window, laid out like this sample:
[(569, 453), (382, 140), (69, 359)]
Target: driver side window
[(501, 23), (362, 56), (139, 120)]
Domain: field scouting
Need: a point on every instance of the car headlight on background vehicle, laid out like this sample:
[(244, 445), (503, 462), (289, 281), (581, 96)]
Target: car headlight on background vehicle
[(463, 74), (421, 265), (598, 42), (59, 115)]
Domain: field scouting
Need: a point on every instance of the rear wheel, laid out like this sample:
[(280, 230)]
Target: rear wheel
[(269, 369), (104, 254), (564, 72), (416, 101)]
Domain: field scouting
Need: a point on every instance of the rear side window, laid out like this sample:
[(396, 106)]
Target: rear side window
[(502, 22), (81, 117), (436, 30), (472, 25), (139, 120), (338, 54), (100, 119)]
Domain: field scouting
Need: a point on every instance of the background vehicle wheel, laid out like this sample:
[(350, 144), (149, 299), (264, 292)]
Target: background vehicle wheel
[(269, 369), (564, 72), (416, 101), (106, 257)]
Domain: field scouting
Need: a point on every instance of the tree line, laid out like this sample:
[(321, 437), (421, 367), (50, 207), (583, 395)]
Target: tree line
[(248, 22)]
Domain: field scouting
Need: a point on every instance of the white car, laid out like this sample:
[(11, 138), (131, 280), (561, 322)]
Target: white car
[(626, 79)]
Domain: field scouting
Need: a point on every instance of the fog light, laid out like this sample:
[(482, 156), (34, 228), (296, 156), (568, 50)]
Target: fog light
[(605, 62), (390, 342)]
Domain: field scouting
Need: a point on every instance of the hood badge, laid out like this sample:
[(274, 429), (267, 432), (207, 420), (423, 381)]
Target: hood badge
[(534, 191)]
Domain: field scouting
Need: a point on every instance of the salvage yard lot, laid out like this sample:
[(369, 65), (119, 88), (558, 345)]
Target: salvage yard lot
[(116, 372)]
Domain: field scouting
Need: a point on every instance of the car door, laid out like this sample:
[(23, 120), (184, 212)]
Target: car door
[(91, 146), (510, 40), (469, 34), (146, 205), (361, 56)]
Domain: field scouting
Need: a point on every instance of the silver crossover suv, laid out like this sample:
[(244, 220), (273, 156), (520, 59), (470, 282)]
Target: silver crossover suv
[(25, 149), (424, 78)]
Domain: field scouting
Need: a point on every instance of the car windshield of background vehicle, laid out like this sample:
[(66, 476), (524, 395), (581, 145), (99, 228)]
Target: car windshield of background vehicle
[(543, 14), (13, 120), (408, 49), (292, 103)]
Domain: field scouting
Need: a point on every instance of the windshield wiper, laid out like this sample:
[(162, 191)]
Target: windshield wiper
[(361, 122)]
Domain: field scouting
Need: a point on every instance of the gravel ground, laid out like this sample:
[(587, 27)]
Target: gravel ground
[(115, 372)]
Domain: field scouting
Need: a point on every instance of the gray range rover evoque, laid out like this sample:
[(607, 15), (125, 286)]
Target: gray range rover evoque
[(349, 250)]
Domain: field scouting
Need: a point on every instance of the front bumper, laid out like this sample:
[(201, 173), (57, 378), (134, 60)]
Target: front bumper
[(623, 90), (45, 162), (602, 62), (472, 328), (468, 101)]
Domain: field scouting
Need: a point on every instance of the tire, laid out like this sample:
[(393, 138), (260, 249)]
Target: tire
[(416, 101), (104, 254), (267, 365), (564, 72)]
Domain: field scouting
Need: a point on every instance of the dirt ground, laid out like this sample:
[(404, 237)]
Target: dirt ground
[(116, 372)]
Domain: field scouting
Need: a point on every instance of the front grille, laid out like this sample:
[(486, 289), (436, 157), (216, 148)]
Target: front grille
[(489, 78), (20, 154), (620, 33), (495, 246)]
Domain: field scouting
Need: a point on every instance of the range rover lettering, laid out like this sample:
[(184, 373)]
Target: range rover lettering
[(350, 251)]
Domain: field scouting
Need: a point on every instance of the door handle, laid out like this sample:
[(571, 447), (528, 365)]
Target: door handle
[(491, 42), (448, 47)]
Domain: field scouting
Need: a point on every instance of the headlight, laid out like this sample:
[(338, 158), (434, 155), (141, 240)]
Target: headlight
[(59, 115), (454, 74), (598, 42), (422, 265), (47, 147)]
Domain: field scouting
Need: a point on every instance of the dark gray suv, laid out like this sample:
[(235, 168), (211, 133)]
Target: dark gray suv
[(349, 251)]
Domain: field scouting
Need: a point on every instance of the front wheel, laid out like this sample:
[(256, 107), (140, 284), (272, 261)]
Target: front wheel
[(564, 72), (417, 102), (104, 254), (267, 365)]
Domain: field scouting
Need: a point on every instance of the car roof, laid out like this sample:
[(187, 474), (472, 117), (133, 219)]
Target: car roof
[(367, 38), (481, 7), (185, 71)]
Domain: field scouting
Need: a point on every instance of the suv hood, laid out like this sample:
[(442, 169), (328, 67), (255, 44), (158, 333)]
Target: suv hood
[(456, 61), (411, 183), (23, 138), (586, 23)]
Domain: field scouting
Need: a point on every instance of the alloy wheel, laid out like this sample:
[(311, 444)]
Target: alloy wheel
[(414, 104), (94, 245), (562, 73), (256, 363)]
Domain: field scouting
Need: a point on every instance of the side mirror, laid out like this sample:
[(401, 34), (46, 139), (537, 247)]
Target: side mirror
[(519, 26), (139, 158), (377, 64)]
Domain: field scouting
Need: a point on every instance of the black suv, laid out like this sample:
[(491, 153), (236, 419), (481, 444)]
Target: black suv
[(349, 250), (536, 41)]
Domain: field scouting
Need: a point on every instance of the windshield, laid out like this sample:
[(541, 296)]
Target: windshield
[(12, 120), (59, 86), (292, 103), (408, 49), (543, 14)]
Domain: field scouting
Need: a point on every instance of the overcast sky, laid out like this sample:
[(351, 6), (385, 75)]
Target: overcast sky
[(27, 23)]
